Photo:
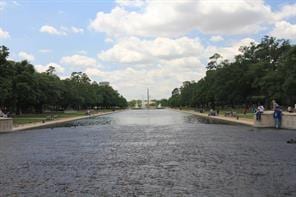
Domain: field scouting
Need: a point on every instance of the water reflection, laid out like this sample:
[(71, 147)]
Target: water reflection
[(144, 117), (149, 117), (92, 121), (147, 153)]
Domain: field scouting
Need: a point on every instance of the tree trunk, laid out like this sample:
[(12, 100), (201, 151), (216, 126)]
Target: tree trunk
[(39, 108), (18, 109)]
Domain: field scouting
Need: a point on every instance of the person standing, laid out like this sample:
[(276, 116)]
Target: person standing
[(277, 115), (259, 112), (274, 104)]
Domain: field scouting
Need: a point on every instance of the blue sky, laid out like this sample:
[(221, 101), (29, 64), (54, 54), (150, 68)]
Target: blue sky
[(138, 44)]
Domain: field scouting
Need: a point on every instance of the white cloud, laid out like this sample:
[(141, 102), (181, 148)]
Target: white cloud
[(216, 38), (284, 29), (42, 68), (4, 34), (160, 64), (16, 3), (132, 82), (109, 40), (51, 30), (11, 59), (61, 31), (45, 50), (2, 5), (131, 3), (228, 52), (79, 60), (286, 11), (176, 18), (83, 52), (134, 50), (26, 56), (77, 30)]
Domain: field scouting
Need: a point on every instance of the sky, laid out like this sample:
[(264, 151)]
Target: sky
[(138, 44)]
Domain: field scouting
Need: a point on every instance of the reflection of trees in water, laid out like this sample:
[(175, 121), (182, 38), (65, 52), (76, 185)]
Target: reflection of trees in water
[(196, 120), (89, 122)]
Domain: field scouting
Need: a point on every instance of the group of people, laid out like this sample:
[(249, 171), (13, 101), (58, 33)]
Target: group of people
[(277, 113)]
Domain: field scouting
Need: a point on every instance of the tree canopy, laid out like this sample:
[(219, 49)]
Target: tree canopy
[(261, 73), (22, 89)]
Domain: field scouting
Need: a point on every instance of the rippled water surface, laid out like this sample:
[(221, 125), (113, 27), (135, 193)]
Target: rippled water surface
[(148, 153)]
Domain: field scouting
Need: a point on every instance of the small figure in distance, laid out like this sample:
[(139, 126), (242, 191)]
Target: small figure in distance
[(212, 113), (246, 109), (277, 115), (290, 110), (2, 114), (259, 112), (274, 104)]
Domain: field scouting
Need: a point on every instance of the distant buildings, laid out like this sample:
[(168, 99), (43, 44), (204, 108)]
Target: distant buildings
[(104, 83), (150, 103)]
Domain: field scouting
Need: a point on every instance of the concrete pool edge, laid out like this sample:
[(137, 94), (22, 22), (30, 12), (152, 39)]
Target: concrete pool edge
[(220, 119), (57, 122)]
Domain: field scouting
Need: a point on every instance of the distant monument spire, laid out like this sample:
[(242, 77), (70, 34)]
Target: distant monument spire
[(148, 104)]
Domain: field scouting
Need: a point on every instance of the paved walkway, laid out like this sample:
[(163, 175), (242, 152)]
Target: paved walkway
[(242, 121), (54, 122)]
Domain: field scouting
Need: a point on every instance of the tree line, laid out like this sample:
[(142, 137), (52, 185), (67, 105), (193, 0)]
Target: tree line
[(260, 73), (22, 89)]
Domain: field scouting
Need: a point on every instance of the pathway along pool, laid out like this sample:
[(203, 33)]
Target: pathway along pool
[(149, 153)]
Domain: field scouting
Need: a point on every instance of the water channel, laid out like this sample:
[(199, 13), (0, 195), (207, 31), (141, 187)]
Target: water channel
[(147, 153)]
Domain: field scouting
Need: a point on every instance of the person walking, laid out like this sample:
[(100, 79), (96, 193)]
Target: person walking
[(277, 115)]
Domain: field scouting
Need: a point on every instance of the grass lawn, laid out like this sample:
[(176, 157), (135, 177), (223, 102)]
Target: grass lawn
[(21, 120), (33, 118)]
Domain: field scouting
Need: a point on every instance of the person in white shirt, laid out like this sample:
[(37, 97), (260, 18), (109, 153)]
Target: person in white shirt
[(259, 111)]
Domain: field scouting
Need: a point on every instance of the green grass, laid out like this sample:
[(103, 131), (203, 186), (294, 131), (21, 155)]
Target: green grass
[(33, 118), (18, 121)]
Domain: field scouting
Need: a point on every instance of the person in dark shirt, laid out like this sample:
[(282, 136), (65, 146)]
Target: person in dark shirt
[(277, 115)]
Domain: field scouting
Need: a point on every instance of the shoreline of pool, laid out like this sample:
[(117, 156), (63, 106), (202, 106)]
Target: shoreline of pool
[(56, 122), (221, 119)]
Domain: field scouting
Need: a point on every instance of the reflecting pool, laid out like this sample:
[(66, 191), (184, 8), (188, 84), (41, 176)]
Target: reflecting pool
[(147, 153)]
